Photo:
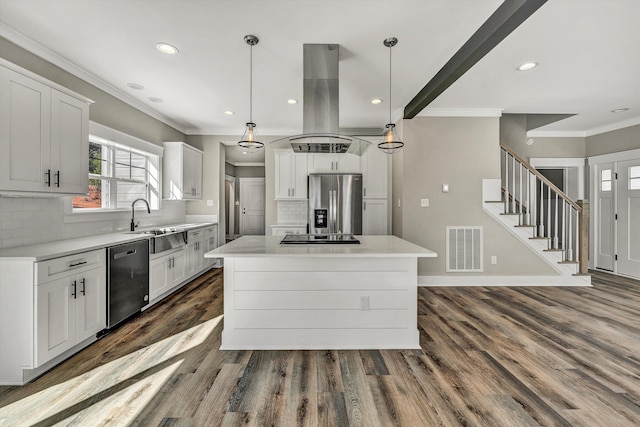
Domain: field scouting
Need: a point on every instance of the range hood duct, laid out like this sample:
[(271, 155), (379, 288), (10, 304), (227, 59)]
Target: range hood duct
[(321, 102)]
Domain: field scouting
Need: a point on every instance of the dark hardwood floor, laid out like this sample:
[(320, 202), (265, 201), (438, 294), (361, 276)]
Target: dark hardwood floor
[(523, 356)]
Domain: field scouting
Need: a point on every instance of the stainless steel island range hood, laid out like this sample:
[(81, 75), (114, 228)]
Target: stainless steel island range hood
[(321, 106)]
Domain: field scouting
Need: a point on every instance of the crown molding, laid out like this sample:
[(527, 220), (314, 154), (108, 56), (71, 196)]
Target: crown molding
[(614, 126), (48, 55), (556, 134), (461, 112)]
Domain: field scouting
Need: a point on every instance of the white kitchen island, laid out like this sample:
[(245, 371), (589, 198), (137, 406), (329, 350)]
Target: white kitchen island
[(320, 296)]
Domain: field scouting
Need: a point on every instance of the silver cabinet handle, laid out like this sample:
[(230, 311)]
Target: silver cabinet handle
[(365, 192), (293, 191), (73, 292), (83, 282), (173, 262), (77, 264), (364, 206), (48, 174), (57, 179)]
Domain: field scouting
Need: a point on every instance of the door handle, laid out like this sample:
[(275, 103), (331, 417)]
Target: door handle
[(73, 292), (83, 286)]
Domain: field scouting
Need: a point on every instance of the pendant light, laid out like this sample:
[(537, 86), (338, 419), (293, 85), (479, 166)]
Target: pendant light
[(250, 141), (390, 143)]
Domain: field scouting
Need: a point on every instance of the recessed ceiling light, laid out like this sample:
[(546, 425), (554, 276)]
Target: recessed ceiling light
[(167, 48), (229, 112), (376, 101), (135, 86), (620, 110), (245, 152), (156, 100), (527, 66), (292, 101)]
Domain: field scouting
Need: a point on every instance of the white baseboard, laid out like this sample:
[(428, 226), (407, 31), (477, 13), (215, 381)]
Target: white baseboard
[(504, 281)]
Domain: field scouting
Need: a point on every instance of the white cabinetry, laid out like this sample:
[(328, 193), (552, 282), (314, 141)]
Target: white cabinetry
[(334, 163), (210, 243), (70, 302), (374, 217), (182, 172), (44, 136), (291, 175), (166, 271), (375, 174), (195, 251)]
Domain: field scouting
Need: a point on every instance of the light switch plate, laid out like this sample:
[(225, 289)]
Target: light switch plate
[(445, 188), (209, 202), (424, 203)]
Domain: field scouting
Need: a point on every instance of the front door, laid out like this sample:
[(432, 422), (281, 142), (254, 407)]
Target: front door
[(605, 214), (628, 196), (252, 206)]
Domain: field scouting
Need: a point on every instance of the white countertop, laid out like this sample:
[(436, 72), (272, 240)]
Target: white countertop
[(370, 246), (59, 248)]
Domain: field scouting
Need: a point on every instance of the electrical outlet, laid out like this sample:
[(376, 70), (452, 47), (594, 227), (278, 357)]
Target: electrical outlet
[(494, 259), (424, 203), (445, 188), (209, 202), (365, 303)]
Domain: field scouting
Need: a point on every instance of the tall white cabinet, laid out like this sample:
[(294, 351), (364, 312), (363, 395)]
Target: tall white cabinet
[(376, 167), (181, 172), (44, 135), (291, 175)]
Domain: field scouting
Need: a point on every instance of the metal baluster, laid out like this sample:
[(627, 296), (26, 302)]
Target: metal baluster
[(520, 199), (541, 210), (506, 182), (513, 172), (555, 225)]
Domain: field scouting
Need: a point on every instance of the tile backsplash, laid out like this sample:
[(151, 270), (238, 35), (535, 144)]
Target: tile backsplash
[(292, 211), (26, 220)]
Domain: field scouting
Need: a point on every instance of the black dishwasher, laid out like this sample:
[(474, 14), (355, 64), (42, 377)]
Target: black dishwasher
[(127, 280)]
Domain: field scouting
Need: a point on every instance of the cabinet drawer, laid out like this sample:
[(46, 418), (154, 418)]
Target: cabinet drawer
[(60, 267), (195, 234)]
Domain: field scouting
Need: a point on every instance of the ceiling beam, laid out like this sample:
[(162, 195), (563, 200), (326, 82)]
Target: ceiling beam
[(500, 24)]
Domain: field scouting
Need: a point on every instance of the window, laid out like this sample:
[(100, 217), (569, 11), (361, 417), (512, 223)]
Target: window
[(634, 178), (605, 180), (118, 175)]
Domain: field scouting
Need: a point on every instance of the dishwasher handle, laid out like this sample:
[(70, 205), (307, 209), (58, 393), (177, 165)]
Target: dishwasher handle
[(124, 254)]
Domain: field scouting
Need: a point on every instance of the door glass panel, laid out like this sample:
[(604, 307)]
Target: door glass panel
[(634, 178), (605, 180)]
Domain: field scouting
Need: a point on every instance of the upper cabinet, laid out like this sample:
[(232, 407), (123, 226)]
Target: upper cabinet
[(334, 163), (182, 172), (44, 135), (375, 175), (291, 175)]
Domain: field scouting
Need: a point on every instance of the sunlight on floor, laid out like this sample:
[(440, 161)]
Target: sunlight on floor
[(120, 403)]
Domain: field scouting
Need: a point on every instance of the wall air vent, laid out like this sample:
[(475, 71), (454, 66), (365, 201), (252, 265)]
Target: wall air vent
[(464, 249)]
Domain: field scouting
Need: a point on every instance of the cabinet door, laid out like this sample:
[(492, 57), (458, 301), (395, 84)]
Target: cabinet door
[(301, 171), (347, 163), (374, 217), (159, 276), (178, 267), (321, 163), (283, 175), (69, 144), (56, 318), (91, 306), (25, 132), (192, 173), (374, 174)]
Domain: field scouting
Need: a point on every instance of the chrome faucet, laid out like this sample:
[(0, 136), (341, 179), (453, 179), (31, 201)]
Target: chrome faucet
[(133, 213)]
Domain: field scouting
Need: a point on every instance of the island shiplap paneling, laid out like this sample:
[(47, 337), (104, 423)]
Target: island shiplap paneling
[(319, 300), (321, 319), (319, 280)]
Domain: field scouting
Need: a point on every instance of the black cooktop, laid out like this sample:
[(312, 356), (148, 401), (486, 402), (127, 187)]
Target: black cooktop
[(319, 239)]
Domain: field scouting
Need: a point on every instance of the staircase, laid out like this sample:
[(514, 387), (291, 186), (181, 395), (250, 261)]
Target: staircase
[(541, 215)]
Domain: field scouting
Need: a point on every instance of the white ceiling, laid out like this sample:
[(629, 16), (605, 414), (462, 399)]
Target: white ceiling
[(587, 50)]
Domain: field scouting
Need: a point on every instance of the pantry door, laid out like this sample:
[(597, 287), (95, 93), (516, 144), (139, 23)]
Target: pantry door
[(628, 195), (252, 206)]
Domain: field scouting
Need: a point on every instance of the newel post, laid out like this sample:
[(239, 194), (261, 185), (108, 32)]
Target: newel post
[(583, 237)]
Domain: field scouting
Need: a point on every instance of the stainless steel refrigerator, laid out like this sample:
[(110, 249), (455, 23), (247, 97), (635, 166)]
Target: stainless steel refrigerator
[(335, 203)]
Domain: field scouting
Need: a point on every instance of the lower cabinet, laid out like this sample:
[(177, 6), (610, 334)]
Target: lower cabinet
[(210, 243), (195, 251), (166, 271), (69, 310), (374, 217)]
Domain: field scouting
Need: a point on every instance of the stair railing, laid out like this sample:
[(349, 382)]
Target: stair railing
[(545, 208)]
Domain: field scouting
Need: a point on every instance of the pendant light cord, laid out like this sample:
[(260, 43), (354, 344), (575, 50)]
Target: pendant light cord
[(390, 84), (251, 83)]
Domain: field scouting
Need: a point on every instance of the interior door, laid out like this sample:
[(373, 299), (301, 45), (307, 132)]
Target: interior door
[(252, 206), (605, 214), (628, 204)]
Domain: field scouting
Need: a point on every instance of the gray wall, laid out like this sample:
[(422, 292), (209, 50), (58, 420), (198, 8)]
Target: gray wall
[(614, 141), (460, 152), (107, 109), (513, 134), (250, 172)]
